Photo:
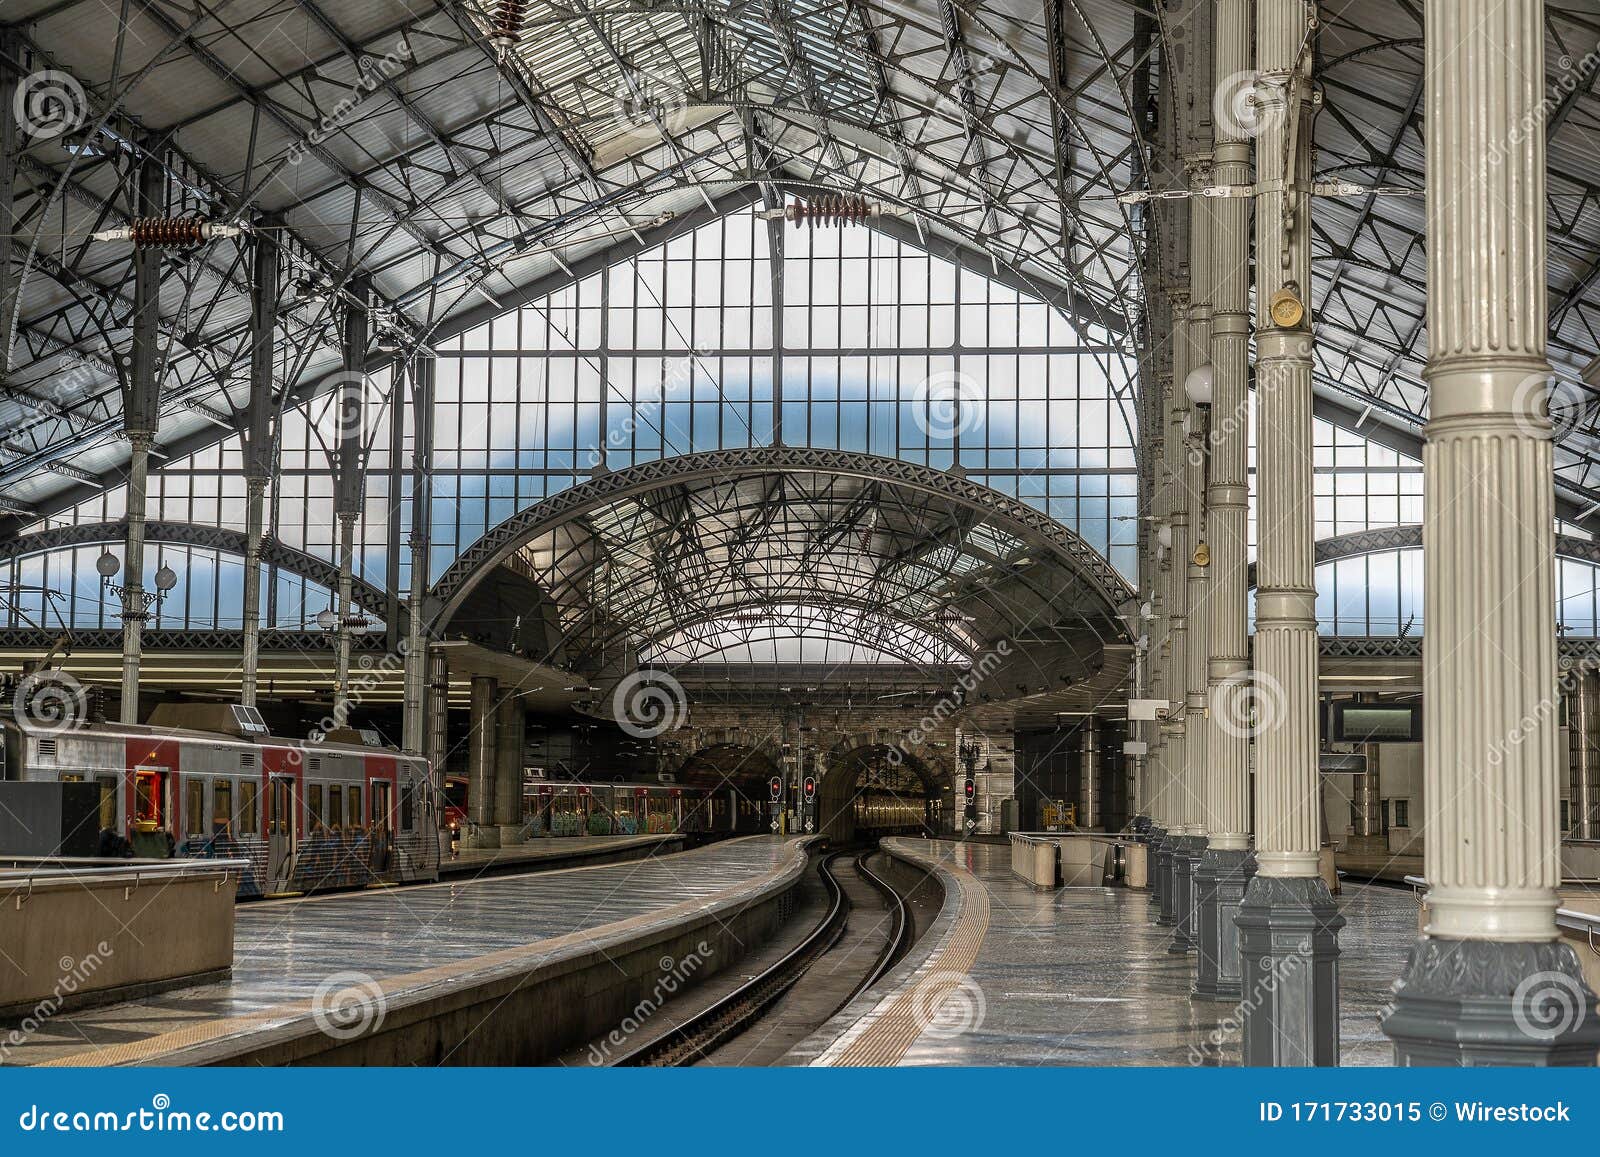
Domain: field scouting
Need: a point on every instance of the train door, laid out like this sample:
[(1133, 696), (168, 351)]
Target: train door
[(152, 812), (281, 834), (380, 843)]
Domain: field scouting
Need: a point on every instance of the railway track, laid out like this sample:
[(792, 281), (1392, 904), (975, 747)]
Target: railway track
[(738, 1011)]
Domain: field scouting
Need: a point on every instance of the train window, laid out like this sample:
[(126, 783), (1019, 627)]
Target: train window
[(221, 806), (194, 807), (71, 777), (245, 824), (335, 809), (314, 805), (108, 800), (381, 805), (353, 798)]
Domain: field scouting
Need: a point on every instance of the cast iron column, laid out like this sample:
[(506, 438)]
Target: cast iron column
[(1089, 774), (510, 723), (420, 376), (1176, 902), (349, 485), (482, 729), (1288, 923), (1489, 982), (141, 417), (1228, 864), (258, 443)]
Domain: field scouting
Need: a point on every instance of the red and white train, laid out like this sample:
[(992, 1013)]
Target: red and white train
[(207, 780)]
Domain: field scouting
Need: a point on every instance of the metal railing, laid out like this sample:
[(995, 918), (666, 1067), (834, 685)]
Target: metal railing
[(32, 872), (1567, 919)]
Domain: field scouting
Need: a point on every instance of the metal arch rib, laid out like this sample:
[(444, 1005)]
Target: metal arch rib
[(273, 550), (473, 563)]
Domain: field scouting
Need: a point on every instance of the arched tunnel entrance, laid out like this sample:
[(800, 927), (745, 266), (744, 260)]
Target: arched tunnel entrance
[(734, 778), (878, 790)]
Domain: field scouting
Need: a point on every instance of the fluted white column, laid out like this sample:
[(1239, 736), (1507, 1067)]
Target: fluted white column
[(1490, 745), (1489, 982), (1227, 497), (1288, 832)]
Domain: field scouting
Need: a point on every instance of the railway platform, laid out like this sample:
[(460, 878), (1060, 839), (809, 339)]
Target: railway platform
[(413, 958), (1007, 975), (559, 852)]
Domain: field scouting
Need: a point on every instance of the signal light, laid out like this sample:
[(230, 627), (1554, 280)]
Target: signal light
[(810, 788), (970, 789), (775, 786)]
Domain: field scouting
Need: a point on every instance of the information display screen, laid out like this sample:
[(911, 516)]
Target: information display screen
[(1377, 722)]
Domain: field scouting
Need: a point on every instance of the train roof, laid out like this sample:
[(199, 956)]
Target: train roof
[(195, 735)]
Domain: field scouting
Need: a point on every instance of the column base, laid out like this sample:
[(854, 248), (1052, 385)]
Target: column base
[(483, 836), (1221, 878), (1185, 858), (513, 834), (1167, 912), (1289, 949), (1476, 1002)]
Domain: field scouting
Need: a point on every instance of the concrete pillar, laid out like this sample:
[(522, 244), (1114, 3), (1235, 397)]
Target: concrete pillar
[(482, 722), (1288, 923), (1489, 982), (1089, 774), (1227, 864), (510, 724), (1583, 717)]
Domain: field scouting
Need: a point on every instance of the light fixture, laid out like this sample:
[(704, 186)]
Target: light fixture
[(1164, 537), (1199, 383), (107, 566), (326, 619)]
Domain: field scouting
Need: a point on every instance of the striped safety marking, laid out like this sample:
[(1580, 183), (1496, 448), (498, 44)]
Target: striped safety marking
[(886, 1034)]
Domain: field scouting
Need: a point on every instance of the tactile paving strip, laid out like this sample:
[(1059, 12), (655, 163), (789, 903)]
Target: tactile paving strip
[(889, 1031)]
